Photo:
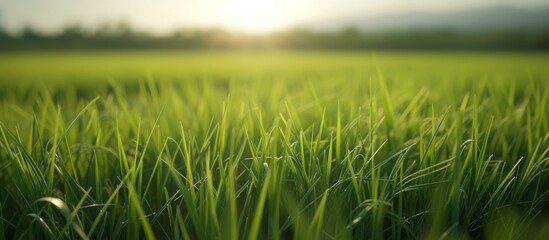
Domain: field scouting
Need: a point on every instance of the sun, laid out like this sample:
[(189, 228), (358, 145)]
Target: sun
[(254, 15)]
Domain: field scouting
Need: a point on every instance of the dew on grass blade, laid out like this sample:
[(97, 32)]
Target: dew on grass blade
[(266, 167)]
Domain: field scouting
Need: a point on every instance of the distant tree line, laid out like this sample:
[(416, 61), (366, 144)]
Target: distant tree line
[(124, 37)]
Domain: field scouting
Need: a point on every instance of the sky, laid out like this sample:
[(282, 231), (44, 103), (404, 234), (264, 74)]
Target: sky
[(252, 16)]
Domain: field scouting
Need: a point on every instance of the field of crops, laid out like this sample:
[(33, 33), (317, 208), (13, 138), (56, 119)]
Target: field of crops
[(274, 145)]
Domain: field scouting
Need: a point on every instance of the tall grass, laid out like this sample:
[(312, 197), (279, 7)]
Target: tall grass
[(315, 155)]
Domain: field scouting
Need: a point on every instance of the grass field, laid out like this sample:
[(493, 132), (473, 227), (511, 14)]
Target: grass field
[(274, 145)]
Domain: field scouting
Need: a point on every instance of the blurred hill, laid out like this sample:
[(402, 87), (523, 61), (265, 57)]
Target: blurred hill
[(465, 20), (493, 28)]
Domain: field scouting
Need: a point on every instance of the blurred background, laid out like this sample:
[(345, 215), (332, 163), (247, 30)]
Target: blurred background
[(283, 24)]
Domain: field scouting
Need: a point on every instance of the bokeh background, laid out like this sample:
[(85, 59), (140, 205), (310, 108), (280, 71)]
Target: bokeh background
[(246, 24)]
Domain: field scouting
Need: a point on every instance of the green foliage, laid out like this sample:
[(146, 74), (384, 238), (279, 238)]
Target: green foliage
[(274, 146), (123, 37)]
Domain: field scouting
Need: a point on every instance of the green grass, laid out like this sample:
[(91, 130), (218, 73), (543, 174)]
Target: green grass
[(274, 145)]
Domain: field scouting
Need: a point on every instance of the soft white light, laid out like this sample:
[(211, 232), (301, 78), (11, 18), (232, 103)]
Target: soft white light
[(254, 15)]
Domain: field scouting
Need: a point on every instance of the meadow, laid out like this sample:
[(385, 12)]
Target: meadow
[(274, 145)]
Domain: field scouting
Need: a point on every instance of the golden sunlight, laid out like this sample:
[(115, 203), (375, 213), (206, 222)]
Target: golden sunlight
[(255, 15)]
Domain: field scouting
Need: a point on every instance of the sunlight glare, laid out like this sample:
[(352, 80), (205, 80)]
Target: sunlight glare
[(255, 16)]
